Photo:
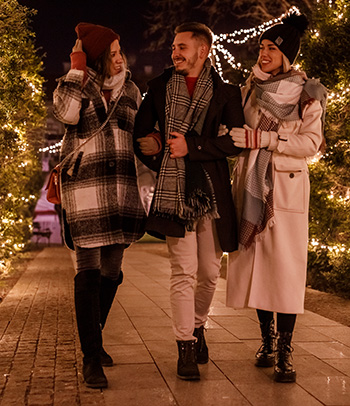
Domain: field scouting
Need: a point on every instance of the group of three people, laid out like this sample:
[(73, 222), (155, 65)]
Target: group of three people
[(187, 125)]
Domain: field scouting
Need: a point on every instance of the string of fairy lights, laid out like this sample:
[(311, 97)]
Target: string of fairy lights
[(220, 53)]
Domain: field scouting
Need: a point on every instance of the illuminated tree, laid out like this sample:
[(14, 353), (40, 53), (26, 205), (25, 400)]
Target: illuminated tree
[(326, 55), (21, 114)]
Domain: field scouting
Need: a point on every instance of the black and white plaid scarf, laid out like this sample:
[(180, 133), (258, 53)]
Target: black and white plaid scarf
[(184, 192), (280, 96)]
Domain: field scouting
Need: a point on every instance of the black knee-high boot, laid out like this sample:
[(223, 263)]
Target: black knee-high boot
[(87, 307), (265, 355), (108, 291)]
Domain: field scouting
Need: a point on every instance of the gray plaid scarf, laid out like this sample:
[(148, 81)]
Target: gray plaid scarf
[(258, 210), (184, 192)]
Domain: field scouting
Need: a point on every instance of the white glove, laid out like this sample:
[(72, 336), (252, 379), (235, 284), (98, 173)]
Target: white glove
[(247, 137)]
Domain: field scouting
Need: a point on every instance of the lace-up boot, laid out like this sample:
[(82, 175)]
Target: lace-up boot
[(284, 371), (201, 346), (265, 356), (187, 367)]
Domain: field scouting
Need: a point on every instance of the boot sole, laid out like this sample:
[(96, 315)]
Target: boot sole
[(265, 363), (96, 385), (283, 378), (189, 378)]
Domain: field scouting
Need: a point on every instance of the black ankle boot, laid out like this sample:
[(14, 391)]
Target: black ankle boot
[(187, 367), (93, 374), (87, 308), (108, 291), (284, 371), (201, 346), (265, 356)]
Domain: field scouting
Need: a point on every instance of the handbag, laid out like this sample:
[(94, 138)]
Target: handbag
[(53, 194), (53, 187)]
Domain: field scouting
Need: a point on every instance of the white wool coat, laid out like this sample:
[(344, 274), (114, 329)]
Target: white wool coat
[(271, 274)]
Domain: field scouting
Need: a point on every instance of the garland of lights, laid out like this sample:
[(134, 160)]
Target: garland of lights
[(219, 51)]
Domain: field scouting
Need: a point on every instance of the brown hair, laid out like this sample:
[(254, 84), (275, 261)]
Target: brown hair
[(198, 30), (101, 65)]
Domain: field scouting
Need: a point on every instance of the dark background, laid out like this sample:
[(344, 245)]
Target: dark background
[(54, 26)]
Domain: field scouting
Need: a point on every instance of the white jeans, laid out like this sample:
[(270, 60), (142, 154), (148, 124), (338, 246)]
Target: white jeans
[(195, 266)]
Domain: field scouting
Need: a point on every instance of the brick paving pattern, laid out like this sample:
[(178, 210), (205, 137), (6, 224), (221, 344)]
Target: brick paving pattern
[(40, 359)]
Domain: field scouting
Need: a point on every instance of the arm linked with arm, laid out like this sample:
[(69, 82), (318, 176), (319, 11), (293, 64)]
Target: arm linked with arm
[(219, 147), (145, 121)]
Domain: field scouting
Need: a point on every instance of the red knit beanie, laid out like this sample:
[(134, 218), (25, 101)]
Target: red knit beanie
[(95, 38)]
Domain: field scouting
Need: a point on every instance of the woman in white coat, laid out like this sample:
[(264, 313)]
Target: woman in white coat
[(284, 114)]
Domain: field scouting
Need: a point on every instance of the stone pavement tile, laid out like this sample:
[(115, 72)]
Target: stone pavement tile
[(276, 394), (326, 350), (162, 350), (219, 335), (303, 333), (138, 397), (151, 321), (207, 393), (156, 333), (129, 354), (219, 309), (331, 390), (312, 319), (240, 326), (231, 351), (341, 365), (137, 384), (339, 333), (244, 371), (310, 366)]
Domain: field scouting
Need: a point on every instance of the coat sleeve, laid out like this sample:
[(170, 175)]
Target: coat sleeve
[(145, 121), (67, 97), (218, 147), (304, 140)]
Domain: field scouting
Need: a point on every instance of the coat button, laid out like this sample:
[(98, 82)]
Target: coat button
[(291, 175), (199, 147), (111, 164)]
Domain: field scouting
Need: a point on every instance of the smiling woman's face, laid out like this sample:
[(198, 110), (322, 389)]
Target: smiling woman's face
[(270, 57)]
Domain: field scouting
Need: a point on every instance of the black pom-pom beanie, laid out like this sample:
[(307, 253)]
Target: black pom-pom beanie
[(286, 35)]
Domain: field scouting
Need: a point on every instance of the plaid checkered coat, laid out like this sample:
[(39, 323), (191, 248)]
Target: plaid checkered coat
[(100, 199)]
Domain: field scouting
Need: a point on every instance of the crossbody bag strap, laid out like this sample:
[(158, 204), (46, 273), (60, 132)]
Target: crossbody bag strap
[(103, 125)]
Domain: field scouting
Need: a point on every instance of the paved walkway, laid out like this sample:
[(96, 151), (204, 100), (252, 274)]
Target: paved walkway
[(40, 359)]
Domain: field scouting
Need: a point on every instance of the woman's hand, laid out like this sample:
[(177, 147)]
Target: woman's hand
[(148, 145), (247, 137), (78, 46)]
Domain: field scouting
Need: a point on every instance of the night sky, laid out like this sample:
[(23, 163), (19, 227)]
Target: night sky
[(55, 21)]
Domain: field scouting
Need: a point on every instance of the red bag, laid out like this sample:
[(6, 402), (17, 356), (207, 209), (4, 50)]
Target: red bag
[(53, 186)]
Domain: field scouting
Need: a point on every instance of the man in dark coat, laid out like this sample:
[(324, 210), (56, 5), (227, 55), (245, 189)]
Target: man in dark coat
[(180, 133)]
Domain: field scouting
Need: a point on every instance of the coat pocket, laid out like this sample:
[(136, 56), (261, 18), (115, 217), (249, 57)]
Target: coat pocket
[(290, 189)]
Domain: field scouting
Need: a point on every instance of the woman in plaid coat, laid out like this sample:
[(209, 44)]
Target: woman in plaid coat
[(101, 205)]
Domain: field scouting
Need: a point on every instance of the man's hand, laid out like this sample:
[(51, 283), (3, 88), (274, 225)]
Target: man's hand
[(148, 145), (178, 145)]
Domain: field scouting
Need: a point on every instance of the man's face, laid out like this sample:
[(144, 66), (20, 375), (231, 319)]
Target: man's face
[(187, 54)]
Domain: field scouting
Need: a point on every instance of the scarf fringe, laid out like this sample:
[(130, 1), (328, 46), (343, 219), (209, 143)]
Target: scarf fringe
[(258, 237)]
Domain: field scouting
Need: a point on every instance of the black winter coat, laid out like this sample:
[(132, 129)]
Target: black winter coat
[(225, 108)]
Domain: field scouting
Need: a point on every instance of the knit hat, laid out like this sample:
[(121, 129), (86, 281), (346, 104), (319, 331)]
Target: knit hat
[(95, 38), (286, 35)]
